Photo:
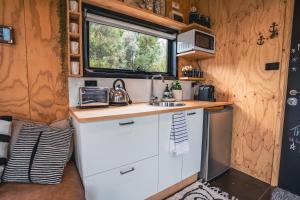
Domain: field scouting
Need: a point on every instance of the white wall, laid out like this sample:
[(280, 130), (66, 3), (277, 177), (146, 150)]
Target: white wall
[(138, 89)]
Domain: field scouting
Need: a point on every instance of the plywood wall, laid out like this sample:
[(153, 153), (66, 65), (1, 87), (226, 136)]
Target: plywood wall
[(30, 81), (238, 72), (13, 66)]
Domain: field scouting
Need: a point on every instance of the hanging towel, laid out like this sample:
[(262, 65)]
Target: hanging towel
[(179, 140)]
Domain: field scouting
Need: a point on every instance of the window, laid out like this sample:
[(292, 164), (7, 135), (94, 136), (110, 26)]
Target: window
[(118, 46)]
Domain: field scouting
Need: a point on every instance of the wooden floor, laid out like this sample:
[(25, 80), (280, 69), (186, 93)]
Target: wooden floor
[(243, 186)]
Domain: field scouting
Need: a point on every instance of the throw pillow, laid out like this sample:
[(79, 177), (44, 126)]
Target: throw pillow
[(39, 155), (65, 124), (5, 132), (17, 125)]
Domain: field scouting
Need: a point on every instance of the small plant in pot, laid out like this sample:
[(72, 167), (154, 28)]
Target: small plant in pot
[(176, 90)]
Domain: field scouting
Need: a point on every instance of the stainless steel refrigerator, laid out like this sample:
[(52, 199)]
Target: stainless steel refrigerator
[(216, 147)]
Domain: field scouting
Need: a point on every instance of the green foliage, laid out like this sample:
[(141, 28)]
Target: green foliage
[(63, 38), (176, 85), (114, 48), (105, 45)]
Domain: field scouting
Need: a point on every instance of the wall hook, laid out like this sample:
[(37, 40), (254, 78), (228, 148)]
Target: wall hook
[(273, 30), (274, 33), (261, 39)]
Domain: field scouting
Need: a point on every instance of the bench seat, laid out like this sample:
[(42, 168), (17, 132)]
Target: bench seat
[(69, 189)]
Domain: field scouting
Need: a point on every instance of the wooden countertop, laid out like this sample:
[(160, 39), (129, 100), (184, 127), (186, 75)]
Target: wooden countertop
[(136, 110)]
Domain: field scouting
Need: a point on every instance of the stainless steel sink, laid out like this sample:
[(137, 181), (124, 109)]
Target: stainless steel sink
[(167, 104)]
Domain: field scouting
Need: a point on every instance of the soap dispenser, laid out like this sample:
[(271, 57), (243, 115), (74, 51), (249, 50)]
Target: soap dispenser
[(167, 94)]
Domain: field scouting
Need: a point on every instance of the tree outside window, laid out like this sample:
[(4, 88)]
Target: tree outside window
[(116, 48)]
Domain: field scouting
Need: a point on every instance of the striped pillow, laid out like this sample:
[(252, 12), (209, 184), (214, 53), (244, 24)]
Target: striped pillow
[(5, 133), (39, 155)]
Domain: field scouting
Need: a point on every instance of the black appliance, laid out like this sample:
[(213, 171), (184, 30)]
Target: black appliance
[(204, 93)]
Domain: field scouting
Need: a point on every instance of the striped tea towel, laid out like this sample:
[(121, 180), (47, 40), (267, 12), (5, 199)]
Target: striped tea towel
[(179, 141)]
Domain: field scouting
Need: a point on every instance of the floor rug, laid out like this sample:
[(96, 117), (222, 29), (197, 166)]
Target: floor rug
[(201, 191), (280, 194)]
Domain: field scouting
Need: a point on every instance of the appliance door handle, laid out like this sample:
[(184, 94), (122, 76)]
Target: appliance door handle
[(126, 123), (294, 92), (191, 113), (127, 171)]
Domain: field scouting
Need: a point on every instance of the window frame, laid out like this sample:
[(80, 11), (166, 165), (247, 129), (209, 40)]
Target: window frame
[(118, 73)]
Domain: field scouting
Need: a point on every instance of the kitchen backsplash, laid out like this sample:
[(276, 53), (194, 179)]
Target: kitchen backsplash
[(138, 89)]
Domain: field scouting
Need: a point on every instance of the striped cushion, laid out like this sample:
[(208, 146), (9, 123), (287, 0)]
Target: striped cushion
[(39, 155), (5, 133)]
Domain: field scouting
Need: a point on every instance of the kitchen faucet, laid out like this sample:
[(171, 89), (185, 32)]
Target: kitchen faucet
[(152, 97)]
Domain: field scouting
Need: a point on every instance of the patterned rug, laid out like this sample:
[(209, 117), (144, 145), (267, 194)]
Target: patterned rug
[(280, 194), (201, 191)]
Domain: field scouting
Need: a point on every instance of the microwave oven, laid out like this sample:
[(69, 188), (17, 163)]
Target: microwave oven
[(195, 40), (93, 97)]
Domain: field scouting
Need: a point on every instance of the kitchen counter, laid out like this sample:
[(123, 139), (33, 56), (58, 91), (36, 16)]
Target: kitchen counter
[(136, 110)]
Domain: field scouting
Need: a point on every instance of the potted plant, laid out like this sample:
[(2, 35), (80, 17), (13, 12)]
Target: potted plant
[(176, 90)]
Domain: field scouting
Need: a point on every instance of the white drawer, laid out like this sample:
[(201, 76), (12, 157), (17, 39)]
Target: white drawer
[(138, 183), (111, 144)]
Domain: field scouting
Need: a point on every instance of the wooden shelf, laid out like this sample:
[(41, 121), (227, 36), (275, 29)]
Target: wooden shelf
[(74, 35), (191, 79), (75, 76), (195, 55), (75, 55), (198, 27), (120, 7), (75, 17), (136, 12)]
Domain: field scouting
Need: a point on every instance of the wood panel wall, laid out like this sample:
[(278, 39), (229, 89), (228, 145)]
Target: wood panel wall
[(13, 66), (238, 72), (30, 80)]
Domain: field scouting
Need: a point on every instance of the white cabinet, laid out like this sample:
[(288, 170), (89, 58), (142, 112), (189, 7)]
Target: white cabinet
[(135, 181), (130, 158), (192, 160), (172, 168)]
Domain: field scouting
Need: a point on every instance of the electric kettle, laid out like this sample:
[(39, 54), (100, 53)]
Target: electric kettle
[(118, 95)]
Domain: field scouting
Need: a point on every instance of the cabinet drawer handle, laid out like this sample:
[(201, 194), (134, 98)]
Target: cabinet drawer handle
[(127, 171), (192, 113), (126, 123)]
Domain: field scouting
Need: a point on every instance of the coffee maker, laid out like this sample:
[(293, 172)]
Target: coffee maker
[(203, 92)]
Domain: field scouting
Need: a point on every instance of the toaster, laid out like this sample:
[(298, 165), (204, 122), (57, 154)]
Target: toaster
[(93, 97)]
